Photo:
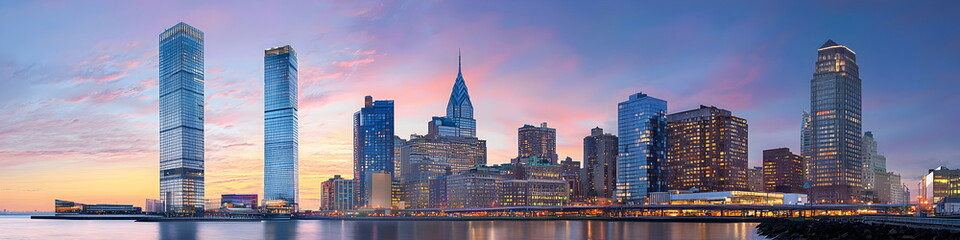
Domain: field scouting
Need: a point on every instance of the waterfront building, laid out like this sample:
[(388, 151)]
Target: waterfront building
[(248, 201), (280, 134), (873, 163), (599, 164), (939, 183), (538, 142), (835, 156), (153, 206), (899, 194), (181, 120), (421, 160), (642, 147), (63, 207), (460, 108), (782, 171), (707, 150), (373, 139), (570, 172), (476, 187), (755, 179), (397, 187), (677, 197), (882, 191), (533, 192), (438, 192), (337, 193), (211, 205), (378, 190)]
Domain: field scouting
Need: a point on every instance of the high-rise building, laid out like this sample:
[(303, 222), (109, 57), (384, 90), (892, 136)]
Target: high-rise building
[(476, 187), (873, 164), (835, 141), (153, 206), (181, 120), (806, 136), (281, 153), (538, 142), (707, 150), (459, 108), (782, 171), (570, 172), (379, 188), (642, 128), (939, 183), (337, 193), (599, 164), (373, 138), (755, 179)]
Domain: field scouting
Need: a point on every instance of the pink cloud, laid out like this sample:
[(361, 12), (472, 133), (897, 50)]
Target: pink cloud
[(353, 63)]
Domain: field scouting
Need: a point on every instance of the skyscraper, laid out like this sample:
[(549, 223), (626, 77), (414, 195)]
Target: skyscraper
[(373, 140), (337, 194), (181, 120), (806, 136), (707, 150), (280, 138), (873, 163), (538, 142), (570, 172), (459, 108), (642, 128), (599, 164), (782, 171), (835, 141)]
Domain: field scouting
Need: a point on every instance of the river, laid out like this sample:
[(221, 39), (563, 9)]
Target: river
[(21, 227)]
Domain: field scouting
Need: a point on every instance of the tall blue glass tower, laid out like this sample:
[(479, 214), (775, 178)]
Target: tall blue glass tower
[(459, 108), (373, 139), (642, 126), (280, 135), (181, 120)]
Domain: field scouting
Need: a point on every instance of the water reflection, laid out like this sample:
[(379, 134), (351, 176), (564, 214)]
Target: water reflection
[(279, 229), (177, 230)]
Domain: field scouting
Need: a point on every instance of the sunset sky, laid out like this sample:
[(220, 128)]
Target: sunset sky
[(78, 79)]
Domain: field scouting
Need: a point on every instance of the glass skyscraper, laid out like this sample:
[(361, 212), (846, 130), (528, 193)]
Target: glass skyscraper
[(280, 135), (459, 108), (373, 141), (181, 119), (642, 130), (835, 141)]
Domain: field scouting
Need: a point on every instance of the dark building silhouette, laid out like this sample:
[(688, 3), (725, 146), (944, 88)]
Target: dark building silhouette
[(599, 164)]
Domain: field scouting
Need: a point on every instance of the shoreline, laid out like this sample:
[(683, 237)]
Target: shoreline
[(321, 218)]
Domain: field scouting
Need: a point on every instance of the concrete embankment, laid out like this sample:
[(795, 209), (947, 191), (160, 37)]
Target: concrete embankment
[(846, 228)]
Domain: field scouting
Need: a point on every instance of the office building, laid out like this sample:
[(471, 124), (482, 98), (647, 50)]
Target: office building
[(939, 183), (836, 157), (460, 108), (373, 139), (782, 171), (707, 150), (476, 187), (181, 120), (642, 146), (755, 179), (538, 142), (280, 134), (570, 172), (599, 164), (153, 206), (379, 187), (337, 194), (248, 201)]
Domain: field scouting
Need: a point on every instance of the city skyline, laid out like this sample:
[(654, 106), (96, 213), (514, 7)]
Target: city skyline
[(115, 80)]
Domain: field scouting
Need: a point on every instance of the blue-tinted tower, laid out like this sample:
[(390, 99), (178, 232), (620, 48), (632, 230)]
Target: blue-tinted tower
[(459, 108), (181, 120), (280, 135), (373, 141), (642, 128)]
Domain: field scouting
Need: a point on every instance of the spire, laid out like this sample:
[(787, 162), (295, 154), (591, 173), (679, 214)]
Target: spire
[(459, 62)]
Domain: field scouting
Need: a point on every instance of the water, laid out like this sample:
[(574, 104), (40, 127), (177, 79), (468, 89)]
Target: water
[(21, 227)]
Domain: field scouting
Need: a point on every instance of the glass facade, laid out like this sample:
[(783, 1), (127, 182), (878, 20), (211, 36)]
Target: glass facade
[(280, 138), (835, 140), (642, 128), (239, 201), (181, 120), (373, 139), (460, 109)]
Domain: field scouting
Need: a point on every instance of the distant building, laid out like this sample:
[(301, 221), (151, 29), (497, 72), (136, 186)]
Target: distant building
[(873, 163), (806, 137), (599, 164), (475, 187), (337, 193), (379, 188), (755, 179), (460, 108), (153, 206), (570, 173), (62, 207), (538, 142), (642, 128), (211, 204), (281, 143), (836, 157), (373, 139), (239, 201), (181, 120), (676, 197), (707, 150), (782, 171), (939, 183)]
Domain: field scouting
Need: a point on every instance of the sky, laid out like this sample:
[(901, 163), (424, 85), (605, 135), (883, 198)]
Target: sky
[(79, 96)]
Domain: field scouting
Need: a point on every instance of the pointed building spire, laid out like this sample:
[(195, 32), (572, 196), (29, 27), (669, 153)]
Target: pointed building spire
[(459, 61)]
